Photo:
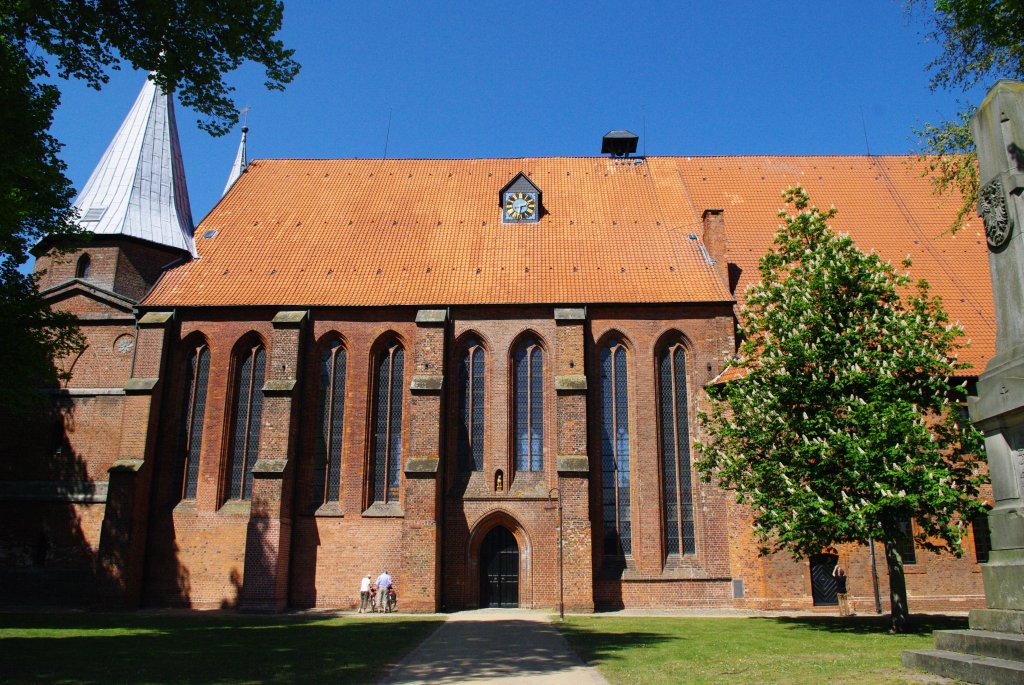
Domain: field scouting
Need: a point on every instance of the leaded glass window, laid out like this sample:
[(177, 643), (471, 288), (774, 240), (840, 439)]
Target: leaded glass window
[(905, 539), (330, 425), (387, 440), (193, 407), (677, 488), (470, 438), (248, 409), (615, 449), (528, 405)]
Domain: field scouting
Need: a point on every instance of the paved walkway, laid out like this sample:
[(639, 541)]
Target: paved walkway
[(505, 646)]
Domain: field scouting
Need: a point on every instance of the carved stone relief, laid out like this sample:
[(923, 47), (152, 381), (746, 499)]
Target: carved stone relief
[(992, 206)]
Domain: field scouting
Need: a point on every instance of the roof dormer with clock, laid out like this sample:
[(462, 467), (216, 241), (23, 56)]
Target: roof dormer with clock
[(520, 201)]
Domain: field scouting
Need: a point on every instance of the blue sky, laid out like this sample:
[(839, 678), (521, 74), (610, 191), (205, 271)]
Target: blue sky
[(489, 79)]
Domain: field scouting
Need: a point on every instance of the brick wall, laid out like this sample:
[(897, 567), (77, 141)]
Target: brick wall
[(209, 552)]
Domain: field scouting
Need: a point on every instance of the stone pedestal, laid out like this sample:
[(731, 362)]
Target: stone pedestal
[(992, 651)]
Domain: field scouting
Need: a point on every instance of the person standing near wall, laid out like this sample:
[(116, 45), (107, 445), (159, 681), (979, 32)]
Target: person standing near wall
[(383, 584), (844, 600), (364, 594)]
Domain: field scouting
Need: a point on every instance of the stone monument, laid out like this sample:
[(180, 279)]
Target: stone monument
[(992, 651)]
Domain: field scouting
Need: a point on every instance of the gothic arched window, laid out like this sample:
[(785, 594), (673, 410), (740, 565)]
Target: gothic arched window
[(387, 423), (470, 427), (250, 364), (615, 449), (528, 405), (193, 407), (677, 488), (330, 414), (83, 267)]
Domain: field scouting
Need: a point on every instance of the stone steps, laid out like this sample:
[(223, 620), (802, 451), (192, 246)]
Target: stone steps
[(970, 668), (976, 656), (981, 643)]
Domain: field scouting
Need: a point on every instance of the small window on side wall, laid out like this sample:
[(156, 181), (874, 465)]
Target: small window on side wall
[(84, 266)]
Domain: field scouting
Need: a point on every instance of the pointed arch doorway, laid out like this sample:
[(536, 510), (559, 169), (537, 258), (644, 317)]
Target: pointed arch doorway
[(499, 569)]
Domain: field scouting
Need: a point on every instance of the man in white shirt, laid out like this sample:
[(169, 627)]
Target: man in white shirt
[(364, 594), (383, 585)]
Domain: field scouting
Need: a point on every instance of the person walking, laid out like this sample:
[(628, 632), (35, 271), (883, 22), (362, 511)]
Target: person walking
[(844, 599), (364, 594), (383, 584)]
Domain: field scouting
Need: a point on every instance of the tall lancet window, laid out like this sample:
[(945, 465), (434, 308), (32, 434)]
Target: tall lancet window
[(387, 423), (326, 480), (193, 407), (615, 449), (470, 437), (250, 367), (528, 405), (677, 489)]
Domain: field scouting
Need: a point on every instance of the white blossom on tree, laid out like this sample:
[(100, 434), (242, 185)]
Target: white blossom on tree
[(844, 419)]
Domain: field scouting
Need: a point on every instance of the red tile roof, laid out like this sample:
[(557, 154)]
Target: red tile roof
[(884, 203), (429, 232)]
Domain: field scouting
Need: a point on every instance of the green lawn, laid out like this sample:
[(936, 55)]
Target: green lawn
[(83, 648), (751, 650)]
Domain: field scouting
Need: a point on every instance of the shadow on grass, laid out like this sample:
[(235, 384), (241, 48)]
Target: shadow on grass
[(921, 624), (595, 646), (83, 649)]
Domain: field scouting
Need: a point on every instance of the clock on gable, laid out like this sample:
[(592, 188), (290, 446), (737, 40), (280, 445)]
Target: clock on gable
[(520, 200)]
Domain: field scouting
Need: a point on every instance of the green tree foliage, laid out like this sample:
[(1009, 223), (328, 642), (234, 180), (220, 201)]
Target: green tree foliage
[(844, 421), (188, 45), (982, 41)]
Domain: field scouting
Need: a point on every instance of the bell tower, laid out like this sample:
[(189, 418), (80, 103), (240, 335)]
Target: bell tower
[(135, 204)]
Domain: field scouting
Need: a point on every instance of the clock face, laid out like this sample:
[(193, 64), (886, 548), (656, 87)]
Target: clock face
[(520, 206)]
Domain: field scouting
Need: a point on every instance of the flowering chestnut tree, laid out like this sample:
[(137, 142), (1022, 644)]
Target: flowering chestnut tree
[(843, 419)]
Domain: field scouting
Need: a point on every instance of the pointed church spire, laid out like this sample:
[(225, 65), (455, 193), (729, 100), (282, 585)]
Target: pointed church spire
[(241, 162), (138, 189)]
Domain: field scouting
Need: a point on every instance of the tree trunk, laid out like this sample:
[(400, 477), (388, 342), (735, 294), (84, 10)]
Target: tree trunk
[(899, 611)]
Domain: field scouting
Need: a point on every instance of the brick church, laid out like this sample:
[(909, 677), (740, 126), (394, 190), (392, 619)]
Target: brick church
[(435, 367)]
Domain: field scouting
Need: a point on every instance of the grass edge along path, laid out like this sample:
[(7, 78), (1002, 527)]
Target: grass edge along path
[(810, 649), (84, 648)]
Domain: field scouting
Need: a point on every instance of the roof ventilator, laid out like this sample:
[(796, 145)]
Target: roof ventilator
[(620, 145), (94, 214)]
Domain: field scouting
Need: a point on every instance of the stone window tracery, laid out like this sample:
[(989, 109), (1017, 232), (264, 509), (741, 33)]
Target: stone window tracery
[(387, 422), (246, 415), (193, 408), (326, 482), (615, 449), (470, 427), (674, 425), (528, 405)]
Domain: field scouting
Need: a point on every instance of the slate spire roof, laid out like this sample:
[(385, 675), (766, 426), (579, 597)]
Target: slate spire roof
[(138, 188), (240, 163)]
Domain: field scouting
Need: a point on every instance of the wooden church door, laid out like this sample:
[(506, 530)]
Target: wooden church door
[(499, 569)]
